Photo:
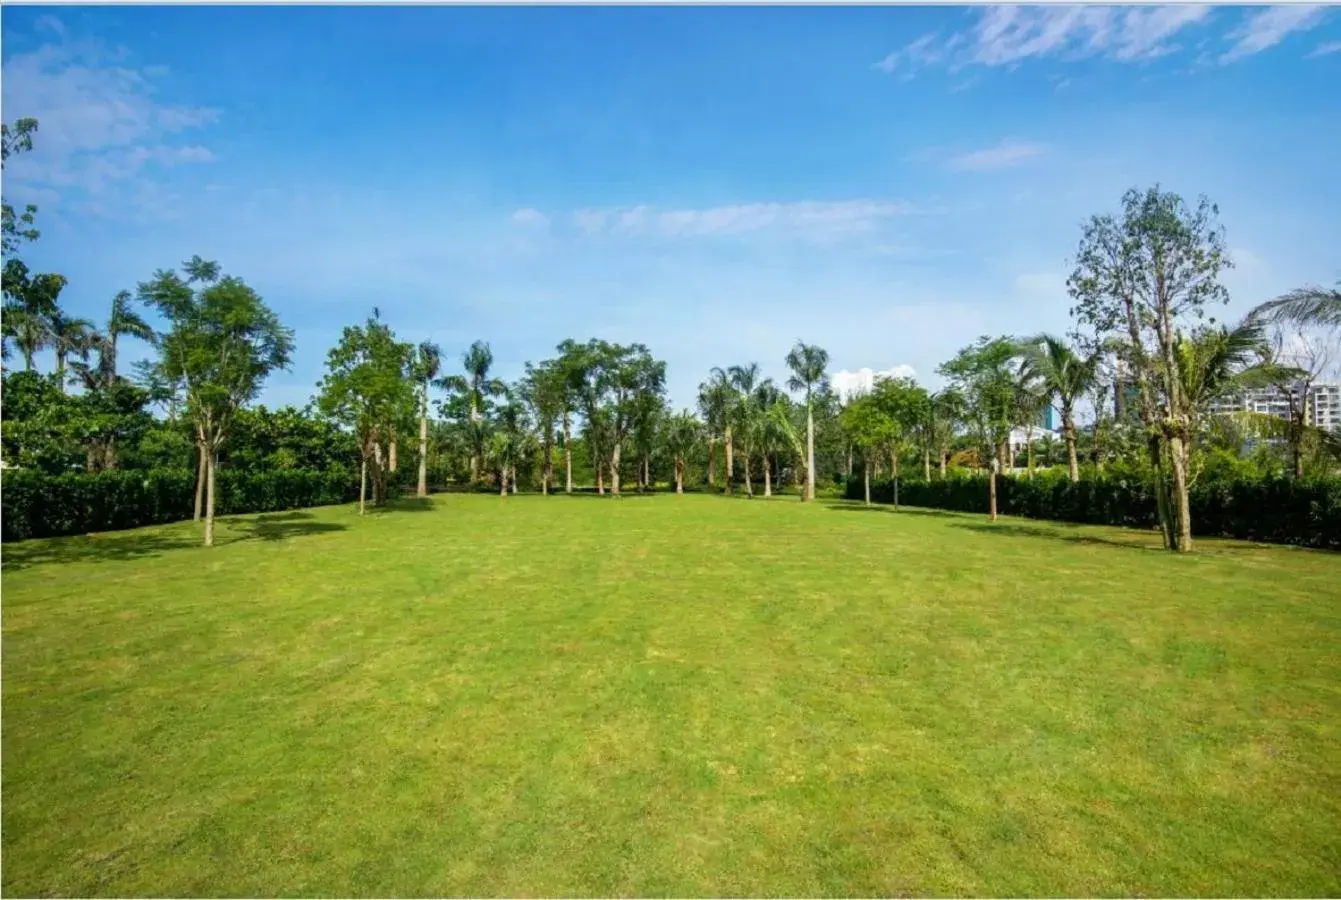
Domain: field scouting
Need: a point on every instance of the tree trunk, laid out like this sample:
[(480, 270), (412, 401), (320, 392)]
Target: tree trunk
[(363, 483), (866, 479), (712, 463), (600, 477), (547, 469), (391, 455), (991, 493), (647, 471), (1296, 443), (60, 371), (503, 481), (810, 451), (568, 451), (474, 437), (209, 500), (1029, 451), (1162, 509), (926, 464), (423, 456), (730, 461), (768, 478), (514, 478), (749, 485), (943, 456), (679, 476), (202, 473), (1181, 509), (614, 469), (1069, 433)]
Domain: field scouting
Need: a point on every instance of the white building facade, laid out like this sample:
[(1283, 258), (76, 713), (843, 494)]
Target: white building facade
[(1323, 409), (853, 384)]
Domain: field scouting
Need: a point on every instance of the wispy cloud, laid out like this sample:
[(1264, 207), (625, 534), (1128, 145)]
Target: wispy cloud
[(1001, 156), (809, 217), (1325, 49), (101, 123), (530, 218), (1012, 35), (1264, 29)]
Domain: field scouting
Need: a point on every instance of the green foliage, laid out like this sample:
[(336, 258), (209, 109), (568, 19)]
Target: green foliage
[(38, 505), (1272, 510)]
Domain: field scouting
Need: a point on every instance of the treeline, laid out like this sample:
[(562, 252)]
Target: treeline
[(1145, 366)]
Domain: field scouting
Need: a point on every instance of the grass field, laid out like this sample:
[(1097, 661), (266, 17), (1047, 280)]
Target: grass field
[(667, 695)]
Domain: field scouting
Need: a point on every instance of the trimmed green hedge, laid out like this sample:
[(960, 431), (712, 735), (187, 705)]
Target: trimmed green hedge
[(1304, 511), (35, 505)]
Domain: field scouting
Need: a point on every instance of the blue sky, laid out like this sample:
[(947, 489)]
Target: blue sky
[(888, 182)]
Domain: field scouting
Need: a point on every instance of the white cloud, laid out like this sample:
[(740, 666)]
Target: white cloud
[(1267, 28), (100, 122), (530, 218), (809, 217), (1325, 49), (1003, 155), (1010, 35)]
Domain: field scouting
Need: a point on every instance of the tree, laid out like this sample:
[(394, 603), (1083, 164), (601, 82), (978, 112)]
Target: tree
[(621, 377), (1144, 276), (221, 344), (714, 403), (1312, 305), (31, 305), (427, 365), (1296, 358), (983, 375), (868, 427), (544, 389), (16, 227), (1065, 377), (742, 413), (807, 363), (68, 336), (682, 436), (478, 387), (369, 387)]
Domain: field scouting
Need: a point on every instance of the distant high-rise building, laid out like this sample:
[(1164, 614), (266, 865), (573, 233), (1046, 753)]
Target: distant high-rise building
[(1322, 405), (1049, 418), (849, 384)]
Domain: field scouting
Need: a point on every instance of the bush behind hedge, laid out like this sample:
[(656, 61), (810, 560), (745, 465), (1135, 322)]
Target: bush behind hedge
[(36, 505), (1305, 511)]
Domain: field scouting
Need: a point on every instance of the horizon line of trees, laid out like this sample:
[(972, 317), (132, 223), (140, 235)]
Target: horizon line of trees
[(1144, 284)]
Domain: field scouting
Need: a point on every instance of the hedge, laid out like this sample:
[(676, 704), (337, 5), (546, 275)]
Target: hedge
[(1305, 511), (35, 505)]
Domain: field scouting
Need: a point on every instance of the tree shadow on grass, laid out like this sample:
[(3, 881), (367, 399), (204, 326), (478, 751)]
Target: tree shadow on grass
[(403, 504), (1132, 540), (857, 506), (141, 543)]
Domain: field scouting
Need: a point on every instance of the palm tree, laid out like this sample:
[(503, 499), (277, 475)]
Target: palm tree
[(29, 331), (775, 433), (477, 386), (1062, 374), (30, 308), (743, 381), (808, 363), (427, 365), (123, 321), (1312, 305), (716, 401), (682, 435), (68, 336)]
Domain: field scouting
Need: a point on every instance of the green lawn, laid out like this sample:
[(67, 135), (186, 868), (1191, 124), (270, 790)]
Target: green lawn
[(667, 695)]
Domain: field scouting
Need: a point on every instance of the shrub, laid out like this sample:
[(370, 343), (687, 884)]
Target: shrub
[(35, 505), (1276, 510)]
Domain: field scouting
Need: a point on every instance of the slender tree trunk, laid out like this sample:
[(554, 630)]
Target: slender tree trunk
[(926, 464), (423, 456), (202, 473), (474, 437), (547, 470), (1182, 509), (600, 477), (866, 479), (209, 500), (1297, 441), (712, 463), (942, 455), (27, 360), (514, 478), (730, 461), (363, 483), (1029, 451), (849, 459), (768, 478), (60, 371), (810, 451), (614, 469), (503, 481), (647, 471), (991, 493), (679, 475), (391, 454), (568, 451), (1069, 434), (1162, 504), (749, 485)]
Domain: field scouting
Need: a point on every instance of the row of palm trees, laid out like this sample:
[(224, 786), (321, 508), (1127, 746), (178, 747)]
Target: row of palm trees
[(80, 347)]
